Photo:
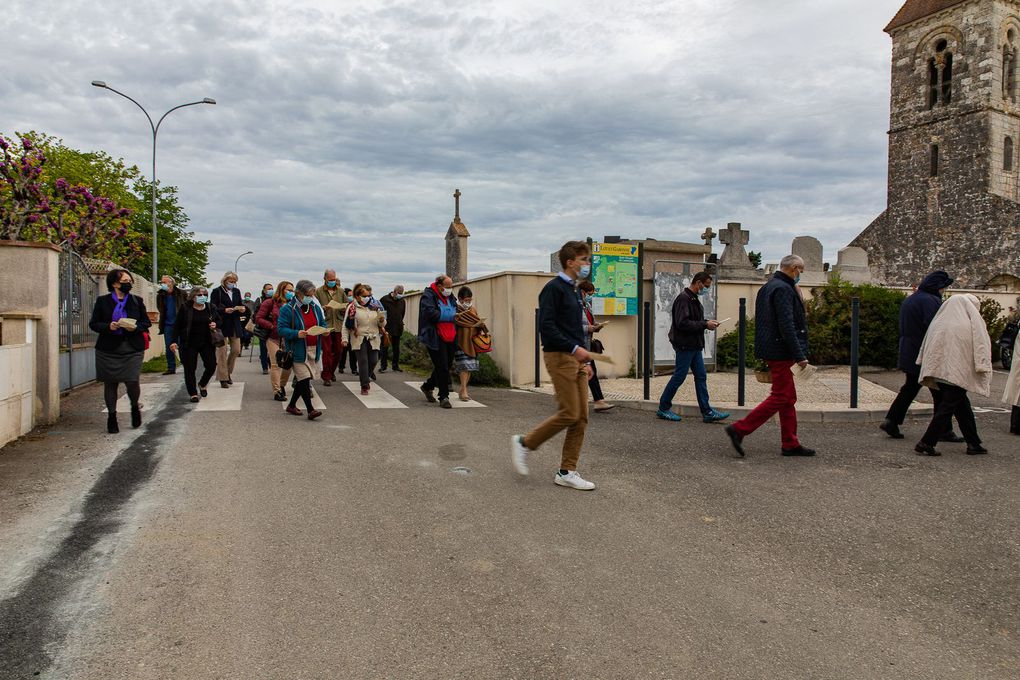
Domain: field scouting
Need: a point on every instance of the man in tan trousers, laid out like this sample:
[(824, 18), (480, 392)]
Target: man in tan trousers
[(569, 364)]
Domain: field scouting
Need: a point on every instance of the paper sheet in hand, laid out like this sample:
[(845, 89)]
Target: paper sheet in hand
[(317, 330), (333, 304), (602, 358), (804, 373), (729, 318), (127, 323)]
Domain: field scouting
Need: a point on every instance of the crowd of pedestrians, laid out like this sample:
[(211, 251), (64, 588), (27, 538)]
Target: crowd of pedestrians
[(306, 332)]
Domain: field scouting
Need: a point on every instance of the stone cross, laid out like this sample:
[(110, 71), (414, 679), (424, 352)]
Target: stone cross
[(735, 255), (709, 236), (456, 205)]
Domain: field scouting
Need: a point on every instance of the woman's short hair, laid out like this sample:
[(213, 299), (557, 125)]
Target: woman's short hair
[(586, 287), (114, 277), (196, 291), (304, 286), (362, 287), (464, 292), (281, 291), (228, 275)]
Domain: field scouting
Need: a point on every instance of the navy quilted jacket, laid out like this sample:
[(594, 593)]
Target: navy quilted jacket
[(780, 324)]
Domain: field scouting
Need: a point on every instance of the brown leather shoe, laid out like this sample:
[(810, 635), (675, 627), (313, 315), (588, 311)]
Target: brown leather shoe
[(313, 414), (295, 411)]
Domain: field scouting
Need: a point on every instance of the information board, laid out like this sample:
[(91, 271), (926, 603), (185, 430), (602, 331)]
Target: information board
[(614, 273)]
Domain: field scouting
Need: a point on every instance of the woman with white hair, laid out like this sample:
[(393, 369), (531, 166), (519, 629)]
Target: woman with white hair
[(956, 358), (226, 300)]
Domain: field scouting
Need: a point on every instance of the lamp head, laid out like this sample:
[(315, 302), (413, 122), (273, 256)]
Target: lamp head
[(98, 83), (207, 100)]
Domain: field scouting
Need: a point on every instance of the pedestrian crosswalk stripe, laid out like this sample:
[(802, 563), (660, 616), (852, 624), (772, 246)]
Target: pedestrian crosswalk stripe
[(317, 402), (153, 394), (221, 399), (454, 399), (377, 397)]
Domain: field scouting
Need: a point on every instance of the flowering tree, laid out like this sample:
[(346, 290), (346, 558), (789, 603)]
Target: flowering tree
[(65, 214)]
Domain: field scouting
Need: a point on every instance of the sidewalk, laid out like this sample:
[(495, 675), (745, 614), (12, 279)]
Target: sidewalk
[(825, 399)]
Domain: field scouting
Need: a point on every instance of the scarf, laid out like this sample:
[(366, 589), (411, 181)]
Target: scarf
[(469, 324), (119, 311)]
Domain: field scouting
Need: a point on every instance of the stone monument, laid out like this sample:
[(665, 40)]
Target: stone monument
[(456, 244), (852, 265), (734, 262), (809, 249)]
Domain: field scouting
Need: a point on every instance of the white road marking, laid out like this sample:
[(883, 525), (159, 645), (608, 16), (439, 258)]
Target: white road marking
[(377, 397), (220, 399), (454, 399), (152, 395)]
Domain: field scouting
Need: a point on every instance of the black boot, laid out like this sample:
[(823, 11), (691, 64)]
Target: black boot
[(1014, 421), (111, 424), (136, 416), (891, 429)]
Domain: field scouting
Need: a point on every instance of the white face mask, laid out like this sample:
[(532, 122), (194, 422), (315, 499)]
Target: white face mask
[(363, 301), (447, 292), (468, 305)]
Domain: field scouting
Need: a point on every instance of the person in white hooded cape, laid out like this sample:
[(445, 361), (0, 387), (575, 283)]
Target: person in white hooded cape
[(956, 358), (1012, 394)]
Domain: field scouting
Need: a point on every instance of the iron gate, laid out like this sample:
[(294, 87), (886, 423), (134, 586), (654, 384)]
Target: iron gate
[(78, 292)]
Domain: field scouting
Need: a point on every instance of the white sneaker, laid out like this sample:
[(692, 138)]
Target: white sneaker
[(574, 481), (519, 454)]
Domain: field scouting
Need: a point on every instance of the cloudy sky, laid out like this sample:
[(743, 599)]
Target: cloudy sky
[(343, 127)]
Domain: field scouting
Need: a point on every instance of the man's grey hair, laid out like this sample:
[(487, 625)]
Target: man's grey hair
[(398, 289), (791, 261), (328, 272), (305, 286), (170, 278)]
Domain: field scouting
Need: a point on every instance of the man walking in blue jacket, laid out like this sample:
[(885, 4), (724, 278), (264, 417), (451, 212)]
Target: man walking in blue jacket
[(561, 325), (780, 338)]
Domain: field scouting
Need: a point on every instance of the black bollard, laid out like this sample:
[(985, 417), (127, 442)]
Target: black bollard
[(741, 352), (647, 364), (538, 352), (855, 350)]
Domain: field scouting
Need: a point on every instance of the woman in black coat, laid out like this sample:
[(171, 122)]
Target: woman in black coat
[(120, 320), (192, 335)]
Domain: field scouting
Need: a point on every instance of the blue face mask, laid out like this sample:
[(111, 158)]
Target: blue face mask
[(268, 293), (331, 284), (797, 280), (350, 298), (163, 287), (585, 271), (202, 299), (703, 292), (289, 295), (230, 286), (307, 300)]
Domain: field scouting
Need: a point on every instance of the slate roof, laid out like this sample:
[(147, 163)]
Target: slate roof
[(913, 10)]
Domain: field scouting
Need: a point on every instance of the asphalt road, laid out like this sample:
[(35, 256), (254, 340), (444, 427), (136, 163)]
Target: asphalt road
[(252, 544)]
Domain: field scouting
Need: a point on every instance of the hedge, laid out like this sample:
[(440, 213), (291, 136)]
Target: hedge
[(414, 355)]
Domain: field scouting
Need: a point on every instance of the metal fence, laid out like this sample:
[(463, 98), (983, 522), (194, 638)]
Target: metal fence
[(78, 292)]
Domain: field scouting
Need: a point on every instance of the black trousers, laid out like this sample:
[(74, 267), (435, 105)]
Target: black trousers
[(394, 348), (349, 356), (189, 359), (911, 387), (367, 358), (954, 402), (593, 384), (1014, 421), (442, 360)]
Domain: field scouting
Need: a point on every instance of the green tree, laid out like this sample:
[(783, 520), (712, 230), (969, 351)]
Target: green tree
[(755, 258), (181, 255)]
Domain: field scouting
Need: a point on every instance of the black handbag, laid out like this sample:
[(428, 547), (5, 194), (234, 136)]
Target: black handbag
[(216, 335), (261, 333), (597, 347), (284, 359)]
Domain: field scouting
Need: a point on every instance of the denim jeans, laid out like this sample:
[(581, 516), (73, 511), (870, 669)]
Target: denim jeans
[(171, 358), (687, 361)]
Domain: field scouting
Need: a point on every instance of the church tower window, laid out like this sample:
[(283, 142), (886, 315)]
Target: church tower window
[(1009, 67), (1007, 155), (934, 160), (940, 76)]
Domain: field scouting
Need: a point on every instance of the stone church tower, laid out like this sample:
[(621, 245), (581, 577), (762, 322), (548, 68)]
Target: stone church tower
[(954, 173), (456, 245)]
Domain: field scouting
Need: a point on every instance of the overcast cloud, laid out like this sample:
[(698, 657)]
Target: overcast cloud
[(342, 128)]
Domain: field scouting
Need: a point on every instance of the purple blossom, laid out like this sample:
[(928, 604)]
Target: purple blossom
[(26, 142), (62, 184), (33, 218), (72, 203), (4, 144)]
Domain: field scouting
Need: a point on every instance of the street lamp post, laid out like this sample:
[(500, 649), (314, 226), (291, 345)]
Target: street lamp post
[(239, 259), (155, 131)]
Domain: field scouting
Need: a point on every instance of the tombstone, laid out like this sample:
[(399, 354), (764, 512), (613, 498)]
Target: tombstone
[(734, 262), (853, 265), (809, 249)]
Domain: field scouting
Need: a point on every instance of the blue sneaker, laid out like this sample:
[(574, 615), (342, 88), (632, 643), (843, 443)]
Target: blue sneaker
[(667, 415), (715, 417)]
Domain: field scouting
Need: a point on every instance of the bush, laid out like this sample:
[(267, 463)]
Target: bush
[(991, 312), (727, 348), (829, 322), (414, 355)]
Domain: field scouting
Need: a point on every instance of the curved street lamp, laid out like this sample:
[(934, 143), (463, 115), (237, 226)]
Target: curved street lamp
[(155, 130), (239, 259)]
